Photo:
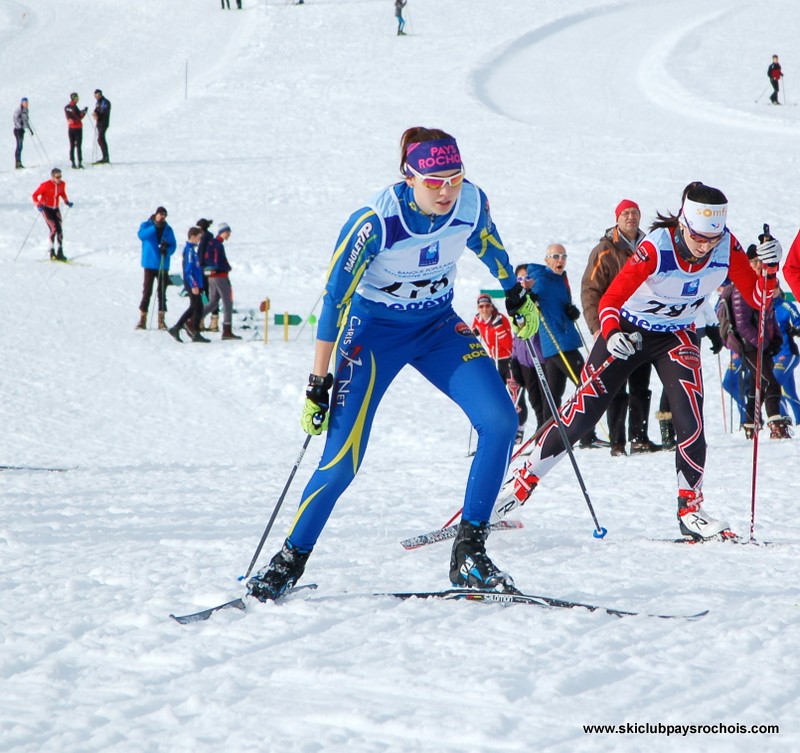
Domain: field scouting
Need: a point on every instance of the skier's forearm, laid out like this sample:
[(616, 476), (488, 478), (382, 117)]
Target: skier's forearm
[(322, 357)]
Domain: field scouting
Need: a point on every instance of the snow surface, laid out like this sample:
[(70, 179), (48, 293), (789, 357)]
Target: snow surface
[(281, 120)]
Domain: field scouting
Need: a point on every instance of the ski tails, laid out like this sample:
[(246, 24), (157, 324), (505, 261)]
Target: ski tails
[(509, 599), (449, 532)]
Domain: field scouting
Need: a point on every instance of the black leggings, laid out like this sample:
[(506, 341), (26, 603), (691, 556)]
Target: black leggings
[(193, 313), (75, 145), (676, 358), (53, 219)]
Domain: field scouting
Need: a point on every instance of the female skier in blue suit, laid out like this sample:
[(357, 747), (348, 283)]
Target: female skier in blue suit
[(388, 303)]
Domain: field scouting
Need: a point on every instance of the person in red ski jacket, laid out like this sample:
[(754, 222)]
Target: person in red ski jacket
[(47, 197), (75, 116), (791, 269), (494, 331), (775, 75)]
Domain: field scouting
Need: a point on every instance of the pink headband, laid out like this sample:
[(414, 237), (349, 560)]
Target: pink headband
[(434, 156)]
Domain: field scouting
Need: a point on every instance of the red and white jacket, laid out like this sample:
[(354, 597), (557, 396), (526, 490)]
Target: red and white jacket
[(495, 334), (659, 291)]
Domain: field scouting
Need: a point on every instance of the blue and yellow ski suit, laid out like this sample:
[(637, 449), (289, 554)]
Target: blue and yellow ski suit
[(388, 303)]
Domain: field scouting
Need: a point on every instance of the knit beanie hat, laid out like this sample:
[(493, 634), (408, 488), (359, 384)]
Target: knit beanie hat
[(623, 205), (484, 298)]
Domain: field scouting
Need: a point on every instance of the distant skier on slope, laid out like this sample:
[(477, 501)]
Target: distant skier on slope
[(400, 252), (398, 12), (653, 301), (47, 197), (775, 75)]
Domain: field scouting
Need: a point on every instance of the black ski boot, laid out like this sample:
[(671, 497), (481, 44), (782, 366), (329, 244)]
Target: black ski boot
[(470, 566), (176, 333), (283, 571)]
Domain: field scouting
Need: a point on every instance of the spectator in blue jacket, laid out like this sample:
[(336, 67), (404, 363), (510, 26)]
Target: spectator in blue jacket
[(558, 335), (785, 362), (158, 245), (192, 283), (217, 268)]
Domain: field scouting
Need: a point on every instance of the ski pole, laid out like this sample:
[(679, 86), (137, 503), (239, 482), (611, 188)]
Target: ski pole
[(33, 225), (277, 507), (763, 93), (571, 371), (722, 395), (599, 531), (762, 326), (38, 143), (591, 377)]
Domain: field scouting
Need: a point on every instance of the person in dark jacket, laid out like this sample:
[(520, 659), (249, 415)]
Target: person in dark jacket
[(192, 282), (75, 116), (217, 268), (21, 124), (158, 245), (743, 339), (398, 12), (102, 118), (775, 75), (605, 262), (206, 238)]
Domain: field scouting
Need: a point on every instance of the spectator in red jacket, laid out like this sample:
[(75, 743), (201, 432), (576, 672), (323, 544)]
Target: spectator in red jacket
[(47, 197), (494, 331), (75, 116)]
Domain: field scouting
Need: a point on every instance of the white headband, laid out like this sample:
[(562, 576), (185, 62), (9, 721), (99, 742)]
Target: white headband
[(708, 219)]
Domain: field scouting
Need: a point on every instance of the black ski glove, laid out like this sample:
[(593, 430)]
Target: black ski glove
[(572, 311), (162, 247), (712, 333)]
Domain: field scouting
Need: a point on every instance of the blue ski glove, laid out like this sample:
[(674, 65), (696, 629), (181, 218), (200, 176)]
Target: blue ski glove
[(70, 204), (314, 419), (521, 307)]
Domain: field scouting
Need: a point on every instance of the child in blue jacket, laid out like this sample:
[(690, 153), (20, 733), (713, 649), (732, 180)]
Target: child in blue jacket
[(193, 283)]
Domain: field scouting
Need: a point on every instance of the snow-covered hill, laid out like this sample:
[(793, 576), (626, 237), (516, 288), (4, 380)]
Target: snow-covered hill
[(280, 120)]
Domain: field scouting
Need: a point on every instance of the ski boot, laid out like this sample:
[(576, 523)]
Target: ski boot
[(749, 430), (176, 333), (470, 566), (142, 323), (283, 571), (60, 255), (162, 324), (695, 523), (779, 428)]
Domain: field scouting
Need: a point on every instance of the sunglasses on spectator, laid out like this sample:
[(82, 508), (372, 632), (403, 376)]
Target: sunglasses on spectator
[(556, 256), (484, 305), (436, 183), (526, 278)]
